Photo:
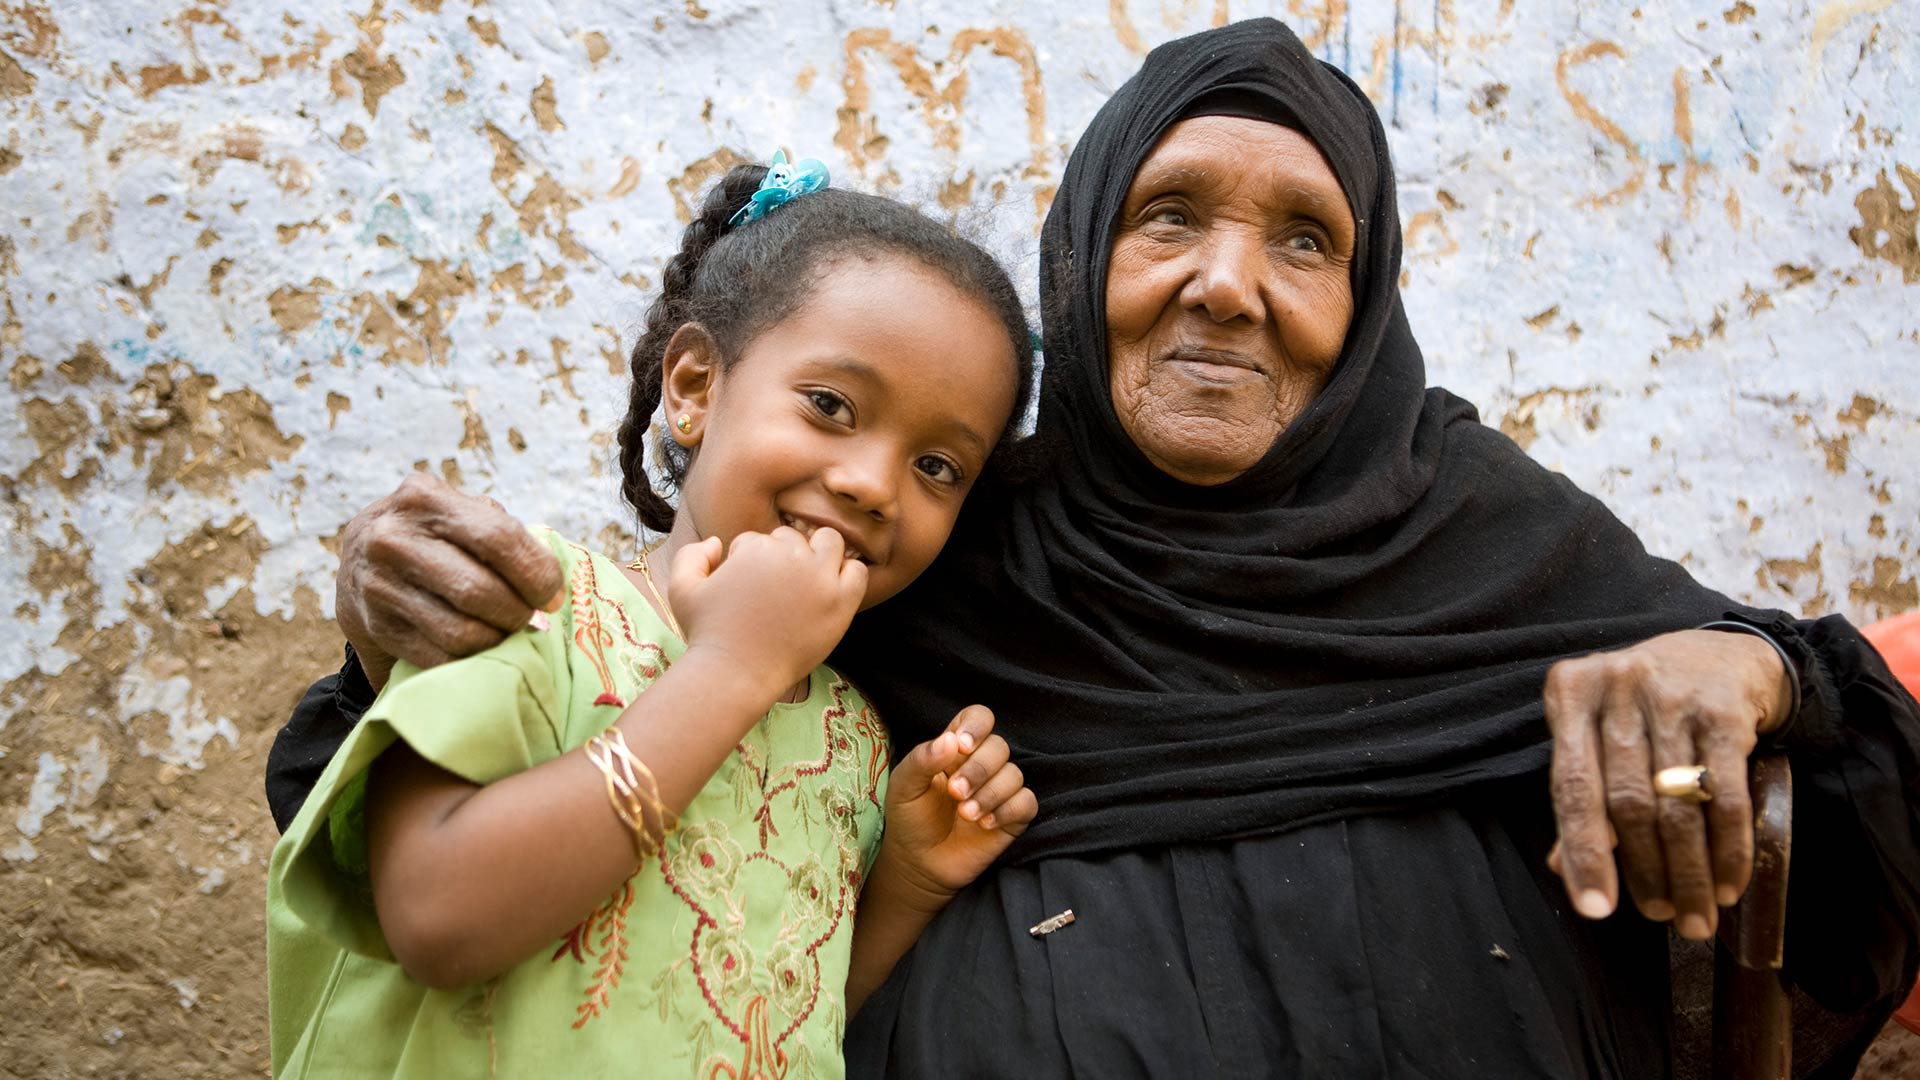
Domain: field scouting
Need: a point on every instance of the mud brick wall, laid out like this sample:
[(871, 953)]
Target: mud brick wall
[(258, 260)]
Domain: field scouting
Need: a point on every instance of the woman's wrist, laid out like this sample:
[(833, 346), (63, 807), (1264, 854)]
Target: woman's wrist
[(1787, 696)]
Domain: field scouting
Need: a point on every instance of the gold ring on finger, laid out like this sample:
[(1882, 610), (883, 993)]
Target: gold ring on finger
[(1689, 783)]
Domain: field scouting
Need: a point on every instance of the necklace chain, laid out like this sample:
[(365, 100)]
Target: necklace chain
[(646, 575)]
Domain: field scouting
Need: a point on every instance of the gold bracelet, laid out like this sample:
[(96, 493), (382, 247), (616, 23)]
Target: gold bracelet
[(630, 798), (635, 770)]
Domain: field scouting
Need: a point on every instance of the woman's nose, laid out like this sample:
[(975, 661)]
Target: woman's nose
[(1227, 282)]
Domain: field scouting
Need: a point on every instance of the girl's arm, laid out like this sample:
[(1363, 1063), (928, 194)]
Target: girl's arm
[(953, 805), (469, 880)]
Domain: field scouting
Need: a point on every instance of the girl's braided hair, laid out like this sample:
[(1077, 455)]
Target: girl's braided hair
[(736, 281)]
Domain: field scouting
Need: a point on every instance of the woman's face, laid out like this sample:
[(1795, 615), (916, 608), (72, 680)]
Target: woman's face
[(1228, 295)]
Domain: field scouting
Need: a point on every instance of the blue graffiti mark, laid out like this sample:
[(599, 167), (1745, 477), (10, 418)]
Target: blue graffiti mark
[(1437, 58), (135, 353), (1396, 63)]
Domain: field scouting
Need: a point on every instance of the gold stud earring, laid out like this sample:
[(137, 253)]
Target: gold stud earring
[(685, 424)]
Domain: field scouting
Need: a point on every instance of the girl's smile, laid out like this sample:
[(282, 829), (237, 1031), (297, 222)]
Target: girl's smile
[(870, 411)]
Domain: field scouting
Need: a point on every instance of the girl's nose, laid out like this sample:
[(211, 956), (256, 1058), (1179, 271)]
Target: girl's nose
[(865, 483)]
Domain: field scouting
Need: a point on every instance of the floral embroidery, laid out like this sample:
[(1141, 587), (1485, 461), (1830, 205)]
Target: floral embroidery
[(756, 907)]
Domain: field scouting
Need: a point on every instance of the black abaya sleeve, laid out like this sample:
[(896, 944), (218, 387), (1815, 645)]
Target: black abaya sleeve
[(320, 723), (1853, 894)]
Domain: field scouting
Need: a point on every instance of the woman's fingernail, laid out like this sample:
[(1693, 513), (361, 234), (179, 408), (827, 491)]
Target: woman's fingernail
[(1727, 895), (988, 823), (970, 810), (960, 787), (1659, 910), (1695, 928), (1593, 904), (966, 741)]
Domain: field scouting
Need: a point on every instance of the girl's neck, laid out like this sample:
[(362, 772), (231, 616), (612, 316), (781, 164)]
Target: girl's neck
[(660, 560)]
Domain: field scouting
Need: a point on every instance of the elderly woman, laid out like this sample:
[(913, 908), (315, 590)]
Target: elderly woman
[(1305, 663)]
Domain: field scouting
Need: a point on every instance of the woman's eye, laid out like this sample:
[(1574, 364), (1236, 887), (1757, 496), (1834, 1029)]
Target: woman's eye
[(1168, 215), (831, 405), (1305, 242), (938, 468)]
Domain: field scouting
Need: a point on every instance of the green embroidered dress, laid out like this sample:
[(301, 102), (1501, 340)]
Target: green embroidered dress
[(724, 958)]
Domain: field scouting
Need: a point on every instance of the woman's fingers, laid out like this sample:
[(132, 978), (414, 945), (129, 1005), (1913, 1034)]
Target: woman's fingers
[(1628, 766), (1725, 747), (1683, 828), (460, 581), (486, 533), (1573, 696), (428, 630)]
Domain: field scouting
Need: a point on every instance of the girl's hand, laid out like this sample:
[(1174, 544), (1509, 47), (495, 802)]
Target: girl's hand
[(953, 805), (777, 603)]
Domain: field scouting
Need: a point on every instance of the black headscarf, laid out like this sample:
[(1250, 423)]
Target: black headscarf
[(1364, 620)]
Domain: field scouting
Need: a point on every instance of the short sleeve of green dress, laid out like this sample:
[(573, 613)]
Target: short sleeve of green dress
[(726, 955)]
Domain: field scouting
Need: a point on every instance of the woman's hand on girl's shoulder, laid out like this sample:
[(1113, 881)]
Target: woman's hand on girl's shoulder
[(775, 603), (954, 803)]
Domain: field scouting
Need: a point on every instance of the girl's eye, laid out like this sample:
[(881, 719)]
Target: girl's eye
[(939, 469), (830, 404)]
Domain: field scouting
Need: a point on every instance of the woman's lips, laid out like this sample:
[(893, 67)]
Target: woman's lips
[(1213, 366)]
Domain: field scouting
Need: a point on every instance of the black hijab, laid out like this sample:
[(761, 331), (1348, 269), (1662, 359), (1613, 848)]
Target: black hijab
[(1362, 621)]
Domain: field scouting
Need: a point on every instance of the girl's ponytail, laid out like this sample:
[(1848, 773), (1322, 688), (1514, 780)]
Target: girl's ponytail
[(667, 315)]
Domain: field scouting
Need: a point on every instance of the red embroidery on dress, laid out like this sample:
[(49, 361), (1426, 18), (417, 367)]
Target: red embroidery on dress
[(868, 726), (764, 1060), (592, 637), (742, 990), (602, 934)]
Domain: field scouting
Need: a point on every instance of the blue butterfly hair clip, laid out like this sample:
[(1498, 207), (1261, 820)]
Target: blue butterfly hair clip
[(783, 183)]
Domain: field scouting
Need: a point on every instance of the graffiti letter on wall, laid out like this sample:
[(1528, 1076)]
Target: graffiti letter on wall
[(859, 136), (1584, 110)]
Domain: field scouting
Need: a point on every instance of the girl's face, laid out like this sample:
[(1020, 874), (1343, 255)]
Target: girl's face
[(872, 410)]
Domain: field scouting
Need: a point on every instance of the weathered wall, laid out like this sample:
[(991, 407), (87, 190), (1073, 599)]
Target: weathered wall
[(254, 265)]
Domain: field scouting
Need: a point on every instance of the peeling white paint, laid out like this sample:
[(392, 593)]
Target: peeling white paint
[(1627, 240)]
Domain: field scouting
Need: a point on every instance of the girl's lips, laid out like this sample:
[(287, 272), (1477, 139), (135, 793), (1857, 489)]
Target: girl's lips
[(806, 528)]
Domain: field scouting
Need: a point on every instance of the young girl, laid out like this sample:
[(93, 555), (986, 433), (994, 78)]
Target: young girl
[(460, 897)]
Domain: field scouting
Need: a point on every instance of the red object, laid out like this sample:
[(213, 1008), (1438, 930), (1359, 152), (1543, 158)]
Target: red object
[(1898, 639)]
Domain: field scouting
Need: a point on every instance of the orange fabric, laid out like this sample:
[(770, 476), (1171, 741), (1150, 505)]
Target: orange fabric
[(1898, 639)]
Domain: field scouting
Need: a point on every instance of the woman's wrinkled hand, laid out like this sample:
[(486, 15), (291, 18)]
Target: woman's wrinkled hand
[(1693, 697), (430, 574)]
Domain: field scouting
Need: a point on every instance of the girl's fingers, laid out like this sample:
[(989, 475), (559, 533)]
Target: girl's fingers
[(696, 561), (972, 724), (997, 789), (915, 774), (1015, 814), (987, 759)]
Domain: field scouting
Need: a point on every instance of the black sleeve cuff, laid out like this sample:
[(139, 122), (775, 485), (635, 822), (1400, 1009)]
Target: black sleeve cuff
[(355, 694), (1814, 723)]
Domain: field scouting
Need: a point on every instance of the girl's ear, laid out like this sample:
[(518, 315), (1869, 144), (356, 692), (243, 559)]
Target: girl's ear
[(688, 372)]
